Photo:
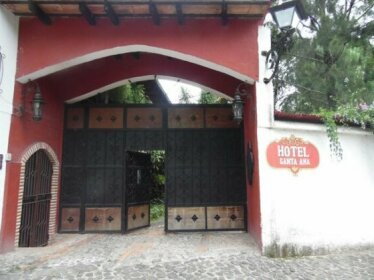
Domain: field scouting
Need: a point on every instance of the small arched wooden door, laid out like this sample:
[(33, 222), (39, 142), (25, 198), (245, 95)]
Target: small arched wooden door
[(36, 201)]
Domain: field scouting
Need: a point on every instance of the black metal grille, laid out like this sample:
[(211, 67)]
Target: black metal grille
[(205, 167), (138, 178), (36, 201)]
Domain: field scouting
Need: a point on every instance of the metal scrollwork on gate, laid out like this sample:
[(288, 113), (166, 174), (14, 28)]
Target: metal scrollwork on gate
[(33, 231), (110, 219), (95, 219)]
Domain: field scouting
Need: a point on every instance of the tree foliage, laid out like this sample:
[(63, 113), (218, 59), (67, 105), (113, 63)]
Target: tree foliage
[(209, 98), (185, 96), (331, 62), (329, 70), (128, 94)]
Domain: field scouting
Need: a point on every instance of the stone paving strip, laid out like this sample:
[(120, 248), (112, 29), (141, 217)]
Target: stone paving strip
[(152, 254)]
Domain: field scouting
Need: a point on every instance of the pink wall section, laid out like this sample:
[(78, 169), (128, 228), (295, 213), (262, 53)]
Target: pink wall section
[(253, 191), (233, 46), (23, 133)]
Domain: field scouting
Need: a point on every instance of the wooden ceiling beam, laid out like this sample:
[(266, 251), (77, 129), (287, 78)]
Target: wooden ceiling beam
[(224, 15), (87, 13), (39, 13), (111, 13), (154, 13), (180, 15)]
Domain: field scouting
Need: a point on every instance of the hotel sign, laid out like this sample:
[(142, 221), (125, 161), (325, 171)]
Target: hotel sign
[(293, 153)]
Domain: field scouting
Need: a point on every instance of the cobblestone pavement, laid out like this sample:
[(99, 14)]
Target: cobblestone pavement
[(152, 254)]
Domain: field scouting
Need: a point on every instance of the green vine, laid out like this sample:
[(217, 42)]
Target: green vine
[(347, 115)]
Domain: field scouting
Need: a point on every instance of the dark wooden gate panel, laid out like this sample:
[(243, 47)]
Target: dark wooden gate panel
[(104, 184), (205, 168), (205, 183), (138, 185), (144, 140), (36, 201)]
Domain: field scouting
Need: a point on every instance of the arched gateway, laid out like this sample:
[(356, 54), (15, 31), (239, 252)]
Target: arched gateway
[(207, 42)]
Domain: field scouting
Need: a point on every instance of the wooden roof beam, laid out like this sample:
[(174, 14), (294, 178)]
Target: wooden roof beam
[(224, 16), (39, 13), (154, 13), (180, 15), (111, 13), (87, 13)]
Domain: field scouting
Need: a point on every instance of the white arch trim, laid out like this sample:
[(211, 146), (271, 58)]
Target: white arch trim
[(133, 48), (144, 78)]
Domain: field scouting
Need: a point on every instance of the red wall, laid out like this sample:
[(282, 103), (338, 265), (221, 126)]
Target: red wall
[(23, 133), (233, 46), (253, 191)]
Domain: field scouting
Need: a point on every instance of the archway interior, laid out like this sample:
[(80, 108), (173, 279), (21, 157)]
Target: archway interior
[(158, 90), (89, 79), (204, 164)]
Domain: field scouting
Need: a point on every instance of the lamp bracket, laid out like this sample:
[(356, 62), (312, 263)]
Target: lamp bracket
[(281, 44), (242, 90), (19, 110)]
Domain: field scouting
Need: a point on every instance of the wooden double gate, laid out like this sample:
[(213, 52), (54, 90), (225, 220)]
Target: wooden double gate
[(105, 182)]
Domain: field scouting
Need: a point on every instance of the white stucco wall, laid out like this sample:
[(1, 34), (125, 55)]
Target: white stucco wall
[(8, 45), (318, 210)]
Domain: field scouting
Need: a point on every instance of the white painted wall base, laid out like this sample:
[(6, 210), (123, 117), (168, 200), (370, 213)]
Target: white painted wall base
[(8, 47)]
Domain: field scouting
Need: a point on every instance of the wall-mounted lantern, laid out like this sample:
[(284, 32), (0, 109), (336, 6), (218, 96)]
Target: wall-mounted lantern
[(238, 104), (286, 16), (37, 104)]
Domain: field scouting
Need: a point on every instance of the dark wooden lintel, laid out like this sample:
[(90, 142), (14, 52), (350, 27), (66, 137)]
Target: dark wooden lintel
[(154, 13), (111, 13), (224, 16), (210, 16), (129, 3), (180, 16), (39, 13), (87, 13)]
